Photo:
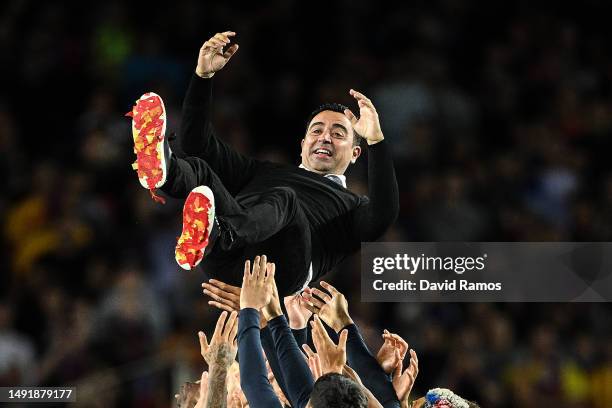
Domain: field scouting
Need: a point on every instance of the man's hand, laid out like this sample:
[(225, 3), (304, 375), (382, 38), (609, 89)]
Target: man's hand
[(332, 308), (368, 125), (314, 362), (257, 286), (392, 352), (403, 382), (212, 58), (226, 297), (333, 357), (273, 308), (223, 347), (297, 311)]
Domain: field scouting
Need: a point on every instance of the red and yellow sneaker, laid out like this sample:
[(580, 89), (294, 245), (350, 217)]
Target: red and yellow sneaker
[(198, 221), (150, 144)]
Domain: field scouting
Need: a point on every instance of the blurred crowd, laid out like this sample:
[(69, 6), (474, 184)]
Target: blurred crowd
[(501, 120)]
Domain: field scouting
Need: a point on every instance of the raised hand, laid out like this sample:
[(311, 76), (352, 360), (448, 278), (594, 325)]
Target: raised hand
[(297, 311), (332, 356), (273, 308), (212, 57), (332, 308), (223, 346), (226, 297), (257, 285), (368, 124), (403, 382), (392, 352)]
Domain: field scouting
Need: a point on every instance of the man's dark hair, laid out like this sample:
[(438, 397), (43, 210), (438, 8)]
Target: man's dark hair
[(333, 390), (334, 107)]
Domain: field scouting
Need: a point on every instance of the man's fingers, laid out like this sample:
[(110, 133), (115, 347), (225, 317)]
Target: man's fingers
[(204, 384), (262, 268), (221, 306), (351, 116), (308, 350), (203, 343), (271, 271), (342, 339), (247, 269), (414, 362), (229, 326), (235, 290), (230, 51), (213, 45), (322, 295), (222, 37), (329, 287), (314, 301), (219, 327), (400, 343), (315, 362), (310, 307), (255, 270), (233, 331), (359, 96), (398, 369), (220, 296), (316, 335)]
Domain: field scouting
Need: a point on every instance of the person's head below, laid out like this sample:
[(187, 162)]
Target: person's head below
[(330, 143), (334, 390), (442, 397)]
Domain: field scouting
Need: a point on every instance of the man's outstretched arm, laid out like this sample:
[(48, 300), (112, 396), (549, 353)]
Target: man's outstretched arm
[(374, 217), (197, 136)]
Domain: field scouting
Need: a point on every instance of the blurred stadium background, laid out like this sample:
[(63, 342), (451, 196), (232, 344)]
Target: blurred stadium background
[(501, 120)]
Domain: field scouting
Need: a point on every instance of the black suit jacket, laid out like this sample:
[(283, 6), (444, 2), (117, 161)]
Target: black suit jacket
[(337, 220)]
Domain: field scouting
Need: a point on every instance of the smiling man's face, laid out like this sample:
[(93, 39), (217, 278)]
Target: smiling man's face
[(328, 146)]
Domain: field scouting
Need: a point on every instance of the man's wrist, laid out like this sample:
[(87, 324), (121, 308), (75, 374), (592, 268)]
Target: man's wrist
[(377, 139), (301, 325), (343, 322), (204, 75), (271, 313)]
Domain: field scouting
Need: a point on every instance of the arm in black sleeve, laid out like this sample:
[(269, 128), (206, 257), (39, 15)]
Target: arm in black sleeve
[(300, 336), (371, 373), (268, 346), (197, 137), (382, 208), (293, 364), (253, 373)]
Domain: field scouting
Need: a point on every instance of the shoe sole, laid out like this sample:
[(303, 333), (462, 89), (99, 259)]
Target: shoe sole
[(190, 247), (149, 128)]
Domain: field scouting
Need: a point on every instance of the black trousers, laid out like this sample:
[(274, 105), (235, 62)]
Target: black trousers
[(271, 223)]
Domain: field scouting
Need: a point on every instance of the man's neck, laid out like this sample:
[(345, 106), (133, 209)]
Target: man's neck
[(342, 177)]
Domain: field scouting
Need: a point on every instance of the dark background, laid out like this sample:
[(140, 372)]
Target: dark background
[(500, 117)]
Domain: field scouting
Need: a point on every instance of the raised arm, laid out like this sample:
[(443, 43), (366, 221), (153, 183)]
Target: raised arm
[(256, 293), (197, 136), (374, 217), (219, 355), (293, 366), (332, 308)]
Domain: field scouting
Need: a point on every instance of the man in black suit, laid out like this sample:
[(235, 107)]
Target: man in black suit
[(303, 217)]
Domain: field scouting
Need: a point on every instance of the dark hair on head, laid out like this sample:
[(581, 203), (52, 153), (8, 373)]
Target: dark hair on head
[(333, 390), (334, 107)]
